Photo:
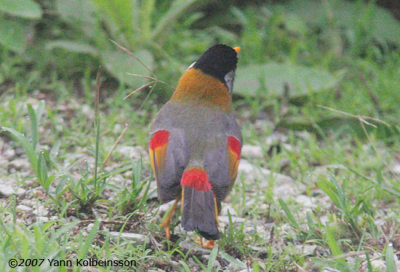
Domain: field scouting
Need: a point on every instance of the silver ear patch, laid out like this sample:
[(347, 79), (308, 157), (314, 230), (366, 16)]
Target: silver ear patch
[(191, 65), (229, 78)]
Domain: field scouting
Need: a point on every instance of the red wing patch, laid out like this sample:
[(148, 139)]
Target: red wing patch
[(234, 149), (158, 150), (159, 139), (197, 178)]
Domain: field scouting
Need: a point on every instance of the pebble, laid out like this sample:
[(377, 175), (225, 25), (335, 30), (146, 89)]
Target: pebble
[(9, 154), (23, 208), (380, 265), (42, 219), (252, 151), (6, 189), (41, 211), (263, 230), (329, 269), (306, 202), (285, 187), (135, 237), (225, 219), (132, 152), (276, 138), (306, 250), (253, 172), (396, 168), (20, 163), (227, 208)]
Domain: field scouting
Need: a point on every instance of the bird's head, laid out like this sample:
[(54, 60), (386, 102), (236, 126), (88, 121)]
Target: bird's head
[(219, 61)]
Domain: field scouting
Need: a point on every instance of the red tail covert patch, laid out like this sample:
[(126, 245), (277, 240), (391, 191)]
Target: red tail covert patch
[(197, 178)]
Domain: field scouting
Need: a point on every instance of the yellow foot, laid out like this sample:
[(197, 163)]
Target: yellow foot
[(208, 244), (167, 229), (167, 219)]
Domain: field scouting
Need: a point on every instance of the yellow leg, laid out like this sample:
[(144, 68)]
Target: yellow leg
[(167, 219), (209, 244)]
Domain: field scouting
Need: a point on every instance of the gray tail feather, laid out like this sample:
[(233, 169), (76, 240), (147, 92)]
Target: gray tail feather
[(199, 213)]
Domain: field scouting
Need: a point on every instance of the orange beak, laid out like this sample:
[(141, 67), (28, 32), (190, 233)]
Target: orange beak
[(237, 49)]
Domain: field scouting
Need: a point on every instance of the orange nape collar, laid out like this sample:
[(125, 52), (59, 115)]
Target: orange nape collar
[(197, 87)]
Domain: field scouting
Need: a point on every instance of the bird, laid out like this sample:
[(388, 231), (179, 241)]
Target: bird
[(195, 143)]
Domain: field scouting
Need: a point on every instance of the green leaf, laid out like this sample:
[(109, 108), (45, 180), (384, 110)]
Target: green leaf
[(72, 46), (232, 260), (301, 80), (21, 8), (119, 14), (389, 258), (347, 15), (212, 258), (34, 126), (82, 15), (177, 8), (290, 216), (385, 26), (185, 266), (329, 189), (84, 248), (42, 171), (345, 125), (145, 18), (119, 63), (200, 263), (332, 242), (13, 35)]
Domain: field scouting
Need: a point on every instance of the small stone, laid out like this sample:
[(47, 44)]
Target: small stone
[(23, 208), (6, 189), (132, 152), (42, 218), (252, 151), (19, 163), (227, 208), (396, 168), (324, 219), (87, 111), (135, 237), (284, 185), (259, 249), (263, 230), (225, 219), (283, 163), (276, 138), (252, 171), (90, 226), (329, 269), (117, 128), (306, 250), (165, 207), (9, 154), (378, 265), (41, 211), (306, 202)]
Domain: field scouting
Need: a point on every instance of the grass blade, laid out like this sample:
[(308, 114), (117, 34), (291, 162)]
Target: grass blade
[(212, 258), (389, 258), (290, 216)]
